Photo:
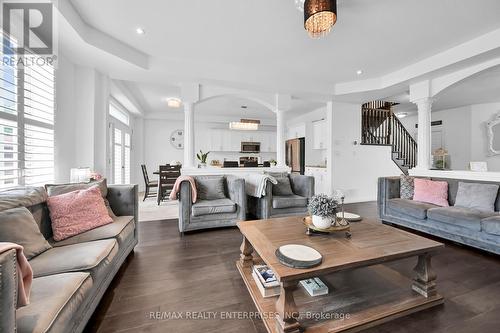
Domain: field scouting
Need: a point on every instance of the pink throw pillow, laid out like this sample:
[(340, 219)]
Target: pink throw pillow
[(76, 212), (434, 192)]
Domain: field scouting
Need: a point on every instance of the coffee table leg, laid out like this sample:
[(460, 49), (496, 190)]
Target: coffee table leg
[(246, 248), (286, 309), (424, 281)]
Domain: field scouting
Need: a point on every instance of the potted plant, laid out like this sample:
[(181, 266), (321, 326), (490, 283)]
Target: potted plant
[(273, 162), (202, 157), (323, 210)]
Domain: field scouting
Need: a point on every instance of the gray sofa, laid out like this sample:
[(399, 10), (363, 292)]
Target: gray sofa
[(71, 277), (271, 205), (204, 214), (467, 226)]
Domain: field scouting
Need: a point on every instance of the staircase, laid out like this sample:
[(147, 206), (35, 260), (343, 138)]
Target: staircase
[(381, 127)]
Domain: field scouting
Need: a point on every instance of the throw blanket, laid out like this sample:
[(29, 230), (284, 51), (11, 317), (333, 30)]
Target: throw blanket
[(177, 187), (255, 184), (24, 272)]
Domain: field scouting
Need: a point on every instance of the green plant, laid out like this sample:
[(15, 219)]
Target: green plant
[(323, 205), (202, 157), (273, 162)]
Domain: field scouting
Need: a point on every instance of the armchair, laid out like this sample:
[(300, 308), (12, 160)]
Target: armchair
[(216, 213), (276, 206)]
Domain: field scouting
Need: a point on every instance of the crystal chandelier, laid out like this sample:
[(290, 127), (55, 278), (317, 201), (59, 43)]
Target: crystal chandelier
[(319, 16), (245, 125)]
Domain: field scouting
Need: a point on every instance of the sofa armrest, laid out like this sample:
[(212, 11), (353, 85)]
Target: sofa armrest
[(236, 191), (124, 200), (388, 188), (8, 291), (302, 185), (185, 205)]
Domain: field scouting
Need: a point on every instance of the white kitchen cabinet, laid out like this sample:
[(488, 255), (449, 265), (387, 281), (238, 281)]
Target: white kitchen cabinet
[(296, 131), (320, 179), (222, 140), (267, 142), (319, 134), (236, 138)]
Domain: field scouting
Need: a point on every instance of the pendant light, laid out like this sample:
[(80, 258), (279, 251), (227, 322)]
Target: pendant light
[(319, 17)]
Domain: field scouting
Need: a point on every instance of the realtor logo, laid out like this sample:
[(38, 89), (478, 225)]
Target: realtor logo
[(28, 33)]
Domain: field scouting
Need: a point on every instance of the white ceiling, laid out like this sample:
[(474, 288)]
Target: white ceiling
[(266, 39), (261, 45), (481, 88)]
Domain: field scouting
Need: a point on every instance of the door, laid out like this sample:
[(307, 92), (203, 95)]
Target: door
[(121, 143)]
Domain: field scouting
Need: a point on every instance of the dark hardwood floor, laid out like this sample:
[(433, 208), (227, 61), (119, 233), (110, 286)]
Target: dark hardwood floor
[(197, 274)]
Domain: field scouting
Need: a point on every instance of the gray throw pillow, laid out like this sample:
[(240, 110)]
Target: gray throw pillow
[(57, 189), (406, 187), (17, 225), (277, 174), (283, 187), (210, 187), (477, 196)]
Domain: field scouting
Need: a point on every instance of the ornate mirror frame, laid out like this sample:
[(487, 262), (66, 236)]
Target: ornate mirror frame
[(491, 135)]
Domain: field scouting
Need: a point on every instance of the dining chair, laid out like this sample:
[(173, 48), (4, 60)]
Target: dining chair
[(230, 164), (167, 175), (149, 184)]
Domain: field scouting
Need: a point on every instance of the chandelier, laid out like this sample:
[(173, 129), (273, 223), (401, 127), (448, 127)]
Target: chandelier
[(245, 125), (319, 16)]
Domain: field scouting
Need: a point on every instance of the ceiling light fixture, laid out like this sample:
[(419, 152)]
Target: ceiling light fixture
[(319, 17), (174, 102), (401, 115), (359, 72), (245, 125), (140, 31)]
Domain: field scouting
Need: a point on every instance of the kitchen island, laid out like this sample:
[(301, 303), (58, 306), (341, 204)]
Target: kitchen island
[(217, 170)]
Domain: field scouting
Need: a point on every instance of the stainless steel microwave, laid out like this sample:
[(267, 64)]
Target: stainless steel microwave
[(250, 147)]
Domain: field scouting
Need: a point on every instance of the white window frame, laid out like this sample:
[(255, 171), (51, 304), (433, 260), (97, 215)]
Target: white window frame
[(125, 128)]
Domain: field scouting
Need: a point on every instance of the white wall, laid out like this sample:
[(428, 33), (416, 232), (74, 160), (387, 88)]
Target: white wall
[(356, 168), (64, 129), (464, 132)]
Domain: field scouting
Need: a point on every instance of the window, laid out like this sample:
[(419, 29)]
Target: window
[(26, 125), (115, 112)]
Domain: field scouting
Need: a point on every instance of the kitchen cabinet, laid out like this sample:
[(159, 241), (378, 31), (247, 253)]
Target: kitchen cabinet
[(222, 140), (320, 179), (296, 131), (319, 134)]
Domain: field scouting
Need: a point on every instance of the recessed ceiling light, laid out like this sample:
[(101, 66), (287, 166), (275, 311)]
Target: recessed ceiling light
[(359, 72), (140, 31), (244, 106), (174, 102)]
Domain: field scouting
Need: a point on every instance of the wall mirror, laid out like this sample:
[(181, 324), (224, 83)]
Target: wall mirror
[(493, 134)]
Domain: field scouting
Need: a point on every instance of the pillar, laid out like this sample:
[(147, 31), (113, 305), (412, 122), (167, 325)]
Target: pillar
[(424, 133), (280, 138), (188, 135)]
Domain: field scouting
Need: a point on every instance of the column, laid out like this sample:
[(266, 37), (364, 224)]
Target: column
[(330, 149), (280, 138), (188, 135), (424, 133)]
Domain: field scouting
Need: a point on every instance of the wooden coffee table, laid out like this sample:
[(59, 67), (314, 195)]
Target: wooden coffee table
[(362, 292)]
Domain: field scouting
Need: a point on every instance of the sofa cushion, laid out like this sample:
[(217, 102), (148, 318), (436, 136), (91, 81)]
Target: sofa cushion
[(56, 303), (289, 201), (406, 187), (17, 225), (94, 257), (477, 196), (122, 228), (22, 197), (412, 208), (283, 187), (210, 187), (58, 189), (429, 191), (491, 225), (463, 217), (76, 212), (208, 207)]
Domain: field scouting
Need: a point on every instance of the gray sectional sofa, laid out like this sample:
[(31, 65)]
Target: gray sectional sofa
[(463, 225), (71, 277)]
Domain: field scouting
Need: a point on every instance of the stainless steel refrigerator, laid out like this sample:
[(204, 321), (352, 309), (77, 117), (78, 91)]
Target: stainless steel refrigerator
[(296, 155)]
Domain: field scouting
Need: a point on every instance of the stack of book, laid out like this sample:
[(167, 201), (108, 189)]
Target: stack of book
[(314, 286), (266, 281)]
